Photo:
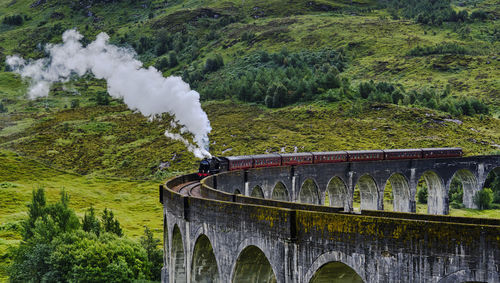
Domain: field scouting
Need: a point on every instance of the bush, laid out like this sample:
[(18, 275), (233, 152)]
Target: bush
[(483, 198), (443, 48), (3, 109), (75, 103), (457, 205), (480, 15), (15, 20), (213, 64)]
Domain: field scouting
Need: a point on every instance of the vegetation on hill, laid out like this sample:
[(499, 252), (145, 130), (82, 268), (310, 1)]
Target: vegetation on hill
[(273, 77)]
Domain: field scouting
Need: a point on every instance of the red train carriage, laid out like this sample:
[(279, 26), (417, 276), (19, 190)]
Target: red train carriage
[(296, 158), (239, 162), (266, 160), (365, 155), (394, 154), (442, 152), (330, 157)]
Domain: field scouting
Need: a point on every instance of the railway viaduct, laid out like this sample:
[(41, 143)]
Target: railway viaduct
[(296, 224)]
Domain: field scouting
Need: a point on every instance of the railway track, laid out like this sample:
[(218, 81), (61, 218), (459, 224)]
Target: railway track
[(189, 189)]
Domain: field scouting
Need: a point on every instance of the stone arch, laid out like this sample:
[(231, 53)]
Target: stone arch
[(336, 192), (437, 199), (309, 192), (237, 192), (469, 186), (354, 263), (251, 266), (204, 266), (464, 275), (368, 192), (280, 192), (257, 192), (491, 180), (178, 257), (335, 272), (400, 192)]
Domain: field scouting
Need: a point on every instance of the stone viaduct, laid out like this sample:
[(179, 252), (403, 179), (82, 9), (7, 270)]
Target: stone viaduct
[(296, 224)]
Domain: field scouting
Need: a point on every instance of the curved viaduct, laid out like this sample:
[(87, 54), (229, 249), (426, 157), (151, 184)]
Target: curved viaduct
[(272, 225)]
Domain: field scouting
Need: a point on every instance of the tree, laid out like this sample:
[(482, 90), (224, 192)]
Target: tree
[(456, 193), (102, 98), (110, 224), (483, 198), (365, 88), (64, 218), (279, 97), (331, 80), (58, 250), (213, 64), (268, 101), (36, 210), (162, 64), (154, 254), (422, 195), (90, 222), (172, 59)]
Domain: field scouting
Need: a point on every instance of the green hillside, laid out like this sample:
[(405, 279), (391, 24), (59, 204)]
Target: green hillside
[(274, 76)]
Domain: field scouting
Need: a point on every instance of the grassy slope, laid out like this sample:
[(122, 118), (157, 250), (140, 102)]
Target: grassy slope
[(134, 203)]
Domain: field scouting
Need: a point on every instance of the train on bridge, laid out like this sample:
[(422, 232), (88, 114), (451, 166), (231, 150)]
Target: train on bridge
[(215, 165)]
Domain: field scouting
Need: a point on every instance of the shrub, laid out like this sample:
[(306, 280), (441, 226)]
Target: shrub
[(3, 109), (442, 48), (483, 198), (75, 103), (365, 89), (15, 20), (480, 15), (213, 64)]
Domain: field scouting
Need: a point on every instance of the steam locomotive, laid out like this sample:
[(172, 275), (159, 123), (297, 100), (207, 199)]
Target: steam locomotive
[(220, 164)]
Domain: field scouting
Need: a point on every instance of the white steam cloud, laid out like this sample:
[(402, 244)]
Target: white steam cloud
[(143, 90)]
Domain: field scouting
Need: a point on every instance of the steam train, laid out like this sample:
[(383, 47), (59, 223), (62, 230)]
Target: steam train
[(229, 163)]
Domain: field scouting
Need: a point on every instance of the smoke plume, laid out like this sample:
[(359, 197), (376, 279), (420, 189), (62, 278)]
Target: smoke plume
[(143, 90)]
